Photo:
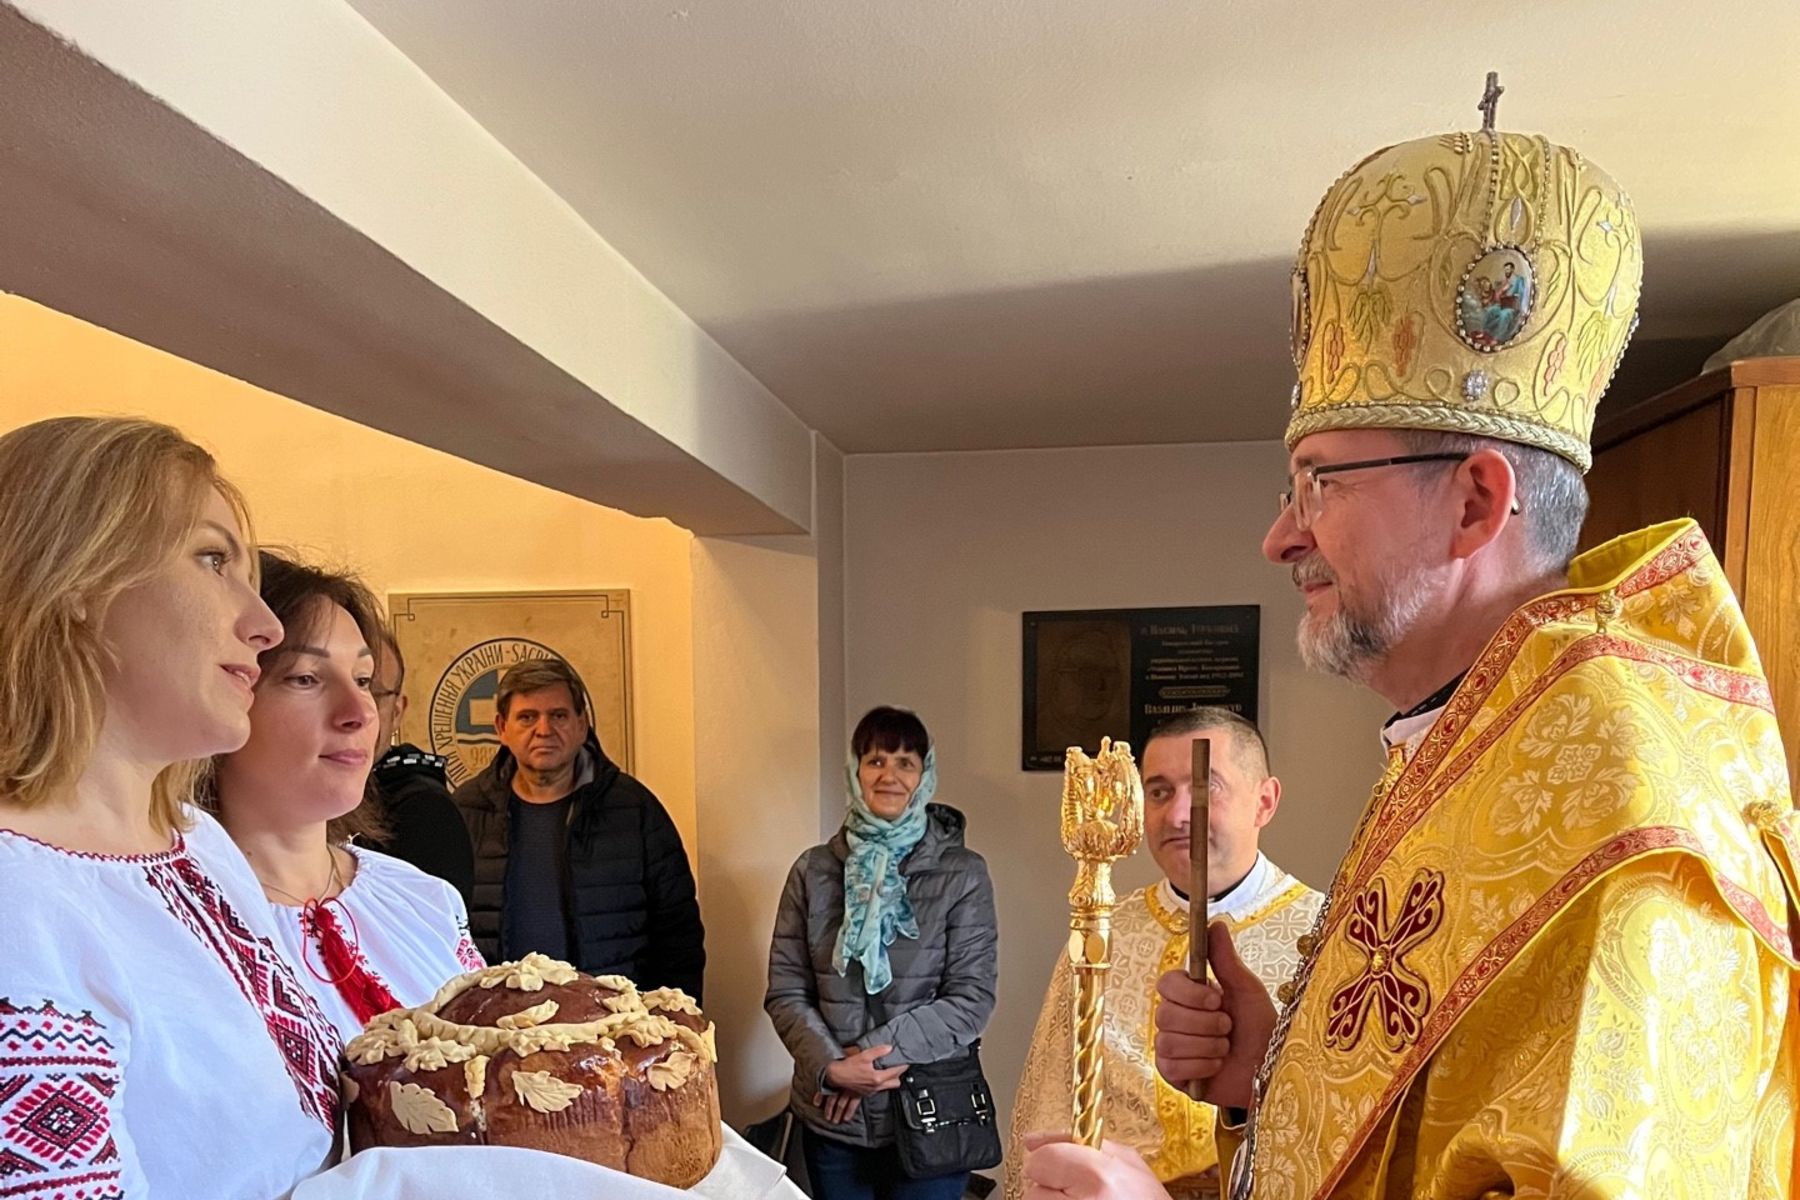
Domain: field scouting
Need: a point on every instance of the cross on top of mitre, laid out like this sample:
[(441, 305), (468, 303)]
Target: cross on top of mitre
[(1490, 100)]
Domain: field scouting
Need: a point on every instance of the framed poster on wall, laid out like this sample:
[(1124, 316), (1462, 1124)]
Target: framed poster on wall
[(1119, 672), (457, 645)]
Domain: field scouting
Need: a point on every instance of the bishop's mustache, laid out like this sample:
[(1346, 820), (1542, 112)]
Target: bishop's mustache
[(1313, 570)]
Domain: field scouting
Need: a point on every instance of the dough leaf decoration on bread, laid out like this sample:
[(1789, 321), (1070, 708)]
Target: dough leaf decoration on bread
[(544, 1091), (537, 1014), (672, 1071), (420, 1111), (538, 1056)]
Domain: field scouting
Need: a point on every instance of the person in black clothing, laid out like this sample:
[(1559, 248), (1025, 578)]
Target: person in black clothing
[(425, 829), (573, 857)]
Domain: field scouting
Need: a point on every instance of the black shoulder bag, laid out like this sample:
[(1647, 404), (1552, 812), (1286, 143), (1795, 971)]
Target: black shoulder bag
[(947, 1123)]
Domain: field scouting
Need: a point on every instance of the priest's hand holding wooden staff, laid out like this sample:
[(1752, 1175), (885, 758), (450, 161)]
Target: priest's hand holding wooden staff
[(1210, 1040), (1211, 1035), (1213, 1029)]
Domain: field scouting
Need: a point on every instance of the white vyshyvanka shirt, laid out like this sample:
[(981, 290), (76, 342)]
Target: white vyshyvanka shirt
[(153, 1040), (156, 1045), (408, 929)]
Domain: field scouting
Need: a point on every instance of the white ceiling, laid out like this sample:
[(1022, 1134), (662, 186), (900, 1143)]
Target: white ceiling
[(997, 223)]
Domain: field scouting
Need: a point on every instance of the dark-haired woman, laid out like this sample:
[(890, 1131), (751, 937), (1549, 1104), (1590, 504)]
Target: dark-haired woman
[(884, 956), (367, 932)]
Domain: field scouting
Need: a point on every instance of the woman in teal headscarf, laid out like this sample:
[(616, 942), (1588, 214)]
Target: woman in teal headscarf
[(884, 956)]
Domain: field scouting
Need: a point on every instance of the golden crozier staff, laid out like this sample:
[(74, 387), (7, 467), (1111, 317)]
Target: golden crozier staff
[(1102, 821)]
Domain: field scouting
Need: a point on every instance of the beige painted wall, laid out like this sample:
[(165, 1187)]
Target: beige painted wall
[(408, 518), (828, 538), (769, 719), (756, 707), (944, 551)]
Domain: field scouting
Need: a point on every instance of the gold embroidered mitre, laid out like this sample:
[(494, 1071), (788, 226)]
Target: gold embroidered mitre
[(1482, 283)]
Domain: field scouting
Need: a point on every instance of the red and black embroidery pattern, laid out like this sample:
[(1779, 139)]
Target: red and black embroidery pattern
[(58, 1077), (307, 1042), (466, 953), (1487, 966), (1399, 996)]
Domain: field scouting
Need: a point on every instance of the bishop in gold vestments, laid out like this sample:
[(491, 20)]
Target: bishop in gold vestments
[(1557, 959), (1266, 908)]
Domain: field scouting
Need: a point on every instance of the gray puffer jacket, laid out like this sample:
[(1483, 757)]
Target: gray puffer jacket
[(943, 989)]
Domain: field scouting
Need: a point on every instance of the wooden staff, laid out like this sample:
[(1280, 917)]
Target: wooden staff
[(1198, 890)]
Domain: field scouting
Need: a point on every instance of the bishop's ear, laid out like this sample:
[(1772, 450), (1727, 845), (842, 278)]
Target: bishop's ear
[(1487, 497)]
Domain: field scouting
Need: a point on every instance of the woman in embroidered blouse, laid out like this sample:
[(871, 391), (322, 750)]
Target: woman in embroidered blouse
[(154, 1041), (366, 932), (144, 1010)]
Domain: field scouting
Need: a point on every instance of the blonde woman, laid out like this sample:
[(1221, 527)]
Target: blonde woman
[(152, 1039)]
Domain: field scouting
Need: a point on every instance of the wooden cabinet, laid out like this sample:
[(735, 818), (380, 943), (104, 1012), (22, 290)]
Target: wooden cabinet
[(1725, 450)]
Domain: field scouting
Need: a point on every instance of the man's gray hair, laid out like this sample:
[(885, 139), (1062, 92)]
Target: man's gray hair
[(1553, 499)]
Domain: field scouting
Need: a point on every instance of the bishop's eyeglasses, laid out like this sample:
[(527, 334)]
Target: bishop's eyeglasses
[(1307, 495)]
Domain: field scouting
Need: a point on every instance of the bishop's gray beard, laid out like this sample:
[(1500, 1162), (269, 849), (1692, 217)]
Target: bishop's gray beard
[(1339, 644), (1349, 642)]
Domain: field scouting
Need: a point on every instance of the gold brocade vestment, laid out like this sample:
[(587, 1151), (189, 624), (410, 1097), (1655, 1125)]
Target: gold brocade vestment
[(1556, 960), (1150, 938)]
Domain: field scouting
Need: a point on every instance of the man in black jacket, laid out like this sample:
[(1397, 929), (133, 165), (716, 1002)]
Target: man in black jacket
[(573, 857), (423, 827)]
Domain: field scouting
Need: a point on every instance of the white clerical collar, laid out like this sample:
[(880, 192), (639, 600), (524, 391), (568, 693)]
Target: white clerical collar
[(1235, 904), (1408, 732)]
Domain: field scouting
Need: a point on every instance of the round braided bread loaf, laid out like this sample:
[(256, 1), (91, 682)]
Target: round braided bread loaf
[(535, 1054)]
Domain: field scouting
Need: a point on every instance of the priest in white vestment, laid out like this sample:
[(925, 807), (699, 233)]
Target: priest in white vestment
[(1266, 908)]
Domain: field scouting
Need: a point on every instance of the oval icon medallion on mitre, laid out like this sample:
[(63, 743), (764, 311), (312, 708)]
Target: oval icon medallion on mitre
[(1494, 302)]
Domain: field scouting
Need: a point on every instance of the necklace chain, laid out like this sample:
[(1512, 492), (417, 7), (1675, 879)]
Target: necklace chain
[(333, 884)]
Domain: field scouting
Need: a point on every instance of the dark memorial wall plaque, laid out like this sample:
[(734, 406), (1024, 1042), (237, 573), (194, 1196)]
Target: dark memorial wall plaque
[(1121, 671)]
